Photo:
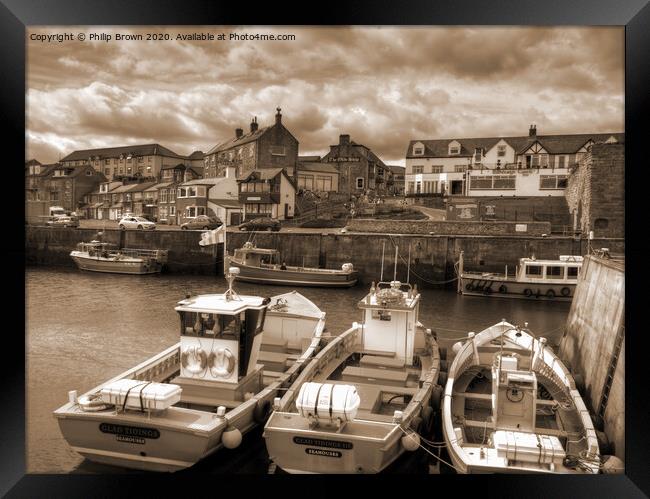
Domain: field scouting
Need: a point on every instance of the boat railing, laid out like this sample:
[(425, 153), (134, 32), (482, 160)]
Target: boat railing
[(158, 255), (404, 286)]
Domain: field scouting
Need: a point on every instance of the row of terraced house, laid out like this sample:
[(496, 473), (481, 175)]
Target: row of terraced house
[(257, 172)]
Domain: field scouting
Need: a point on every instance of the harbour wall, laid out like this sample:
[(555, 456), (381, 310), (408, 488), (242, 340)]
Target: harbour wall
[(593, 345), (432, 257)]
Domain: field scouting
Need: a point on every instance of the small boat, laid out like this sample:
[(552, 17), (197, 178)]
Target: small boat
[(263, 266), (365, 397), (236, 354), (510, 406), (533, 278), (98, 256)]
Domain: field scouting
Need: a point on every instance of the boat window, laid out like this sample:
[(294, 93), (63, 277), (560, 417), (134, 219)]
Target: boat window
[(533, 271), (572, 272), (555, 272), (382, 315), (210, 325)]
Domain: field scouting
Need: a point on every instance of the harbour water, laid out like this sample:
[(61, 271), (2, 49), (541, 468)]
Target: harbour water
[(84, 328)]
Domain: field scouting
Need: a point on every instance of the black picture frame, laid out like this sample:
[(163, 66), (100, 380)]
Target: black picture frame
[(15, 15)]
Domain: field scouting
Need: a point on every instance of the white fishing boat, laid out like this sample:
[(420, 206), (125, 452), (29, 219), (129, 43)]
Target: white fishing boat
[(236, 354), (365, 397), (510, 406), (98, 256), (264, 266), (532, 278)]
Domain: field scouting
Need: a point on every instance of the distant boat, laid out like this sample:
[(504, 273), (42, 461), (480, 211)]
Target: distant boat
[(510, 406), (97, 256), (263, 266), (236, 354), (532, 278), (366, 397)]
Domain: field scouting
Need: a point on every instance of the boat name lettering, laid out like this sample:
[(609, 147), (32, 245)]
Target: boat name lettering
[(129, 439), (132, 431), (336, 444), (323, 452)]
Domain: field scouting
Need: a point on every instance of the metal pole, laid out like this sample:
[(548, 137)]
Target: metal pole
[(381, 278), (395, 270), (408, 267)]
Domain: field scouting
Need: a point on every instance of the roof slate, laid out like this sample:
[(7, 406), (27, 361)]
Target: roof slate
[(114, 152)]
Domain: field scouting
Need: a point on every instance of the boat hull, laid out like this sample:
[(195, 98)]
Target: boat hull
[(329, 279), (477, 285), (125, 266)]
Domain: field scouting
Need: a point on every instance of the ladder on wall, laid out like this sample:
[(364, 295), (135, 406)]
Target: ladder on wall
[(609, 378)]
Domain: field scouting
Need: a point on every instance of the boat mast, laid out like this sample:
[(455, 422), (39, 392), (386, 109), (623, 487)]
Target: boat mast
[(383, 248), (408, 267), (395, 270)]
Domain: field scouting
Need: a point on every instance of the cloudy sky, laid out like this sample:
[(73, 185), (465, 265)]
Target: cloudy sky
[(383, 86)]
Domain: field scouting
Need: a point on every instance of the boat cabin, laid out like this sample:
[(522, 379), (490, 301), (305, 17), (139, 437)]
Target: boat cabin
[(256, 257), (96, 248), (220, 336), (564, 270), (390, 319)]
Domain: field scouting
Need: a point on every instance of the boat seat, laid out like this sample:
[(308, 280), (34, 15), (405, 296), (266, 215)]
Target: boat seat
[(273, 359), (383, 376), (381, 362), (270, 344)]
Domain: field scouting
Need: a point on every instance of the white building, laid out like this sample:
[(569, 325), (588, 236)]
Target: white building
[(536, 165)]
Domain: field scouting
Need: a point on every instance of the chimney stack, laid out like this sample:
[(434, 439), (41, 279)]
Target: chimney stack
[(239, 132), (254, 125), (344, 140), (532, 131), (278, 117)]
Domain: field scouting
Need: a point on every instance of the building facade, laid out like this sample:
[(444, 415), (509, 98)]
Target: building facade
[(269, 147), (533, 165), (267, 193), (360, 170), (316, 176)]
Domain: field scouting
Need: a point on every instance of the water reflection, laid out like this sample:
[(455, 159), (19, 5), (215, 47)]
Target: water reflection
[(83, 328)]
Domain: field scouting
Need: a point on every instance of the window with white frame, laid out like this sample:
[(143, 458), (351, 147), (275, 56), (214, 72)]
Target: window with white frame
[(501, 151), (418, 150), (460, 168), (194, 211), (163, 195), (502, 182), (415, 169), (172, 210), (277, 151), (323, 184), (561, 161), (454, 149), (552, 181), (306, 182), (360, 182), (436, 169)]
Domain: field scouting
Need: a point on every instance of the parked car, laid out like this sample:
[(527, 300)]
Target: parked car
[(140, 223), (202, 222), (263, 223), (63, 221)]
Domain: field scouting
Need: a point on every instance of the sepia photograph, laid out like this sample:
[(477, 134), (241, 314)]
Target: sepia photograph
[(300, 249)]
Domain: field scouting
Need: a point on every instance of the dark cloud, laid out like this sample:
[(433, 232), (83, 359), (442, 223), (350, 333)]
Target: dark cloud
[(383, 86)]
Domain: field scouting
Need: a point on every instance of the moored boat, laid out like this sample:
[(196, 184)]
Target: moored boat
[(98, 256), (365, 397), (263, 266), (510, 406), (202, 393), (533, 278)]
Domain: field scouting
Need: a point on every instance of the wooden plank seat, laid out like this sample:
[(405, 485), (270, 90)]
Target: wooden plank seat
[(381, 362), (382, 376), (273, 360), (271, 344), (271, 374)]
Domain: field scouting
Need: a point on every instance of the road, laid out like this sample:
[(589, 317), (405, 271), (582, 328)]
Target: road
[(432, 213)]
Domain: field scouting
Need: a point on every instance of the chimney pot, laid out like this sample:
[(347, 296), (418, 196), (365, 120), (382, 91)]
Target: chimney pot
[(254, 125), (278, 116), (532, 131), (344, 139), (239, 132)]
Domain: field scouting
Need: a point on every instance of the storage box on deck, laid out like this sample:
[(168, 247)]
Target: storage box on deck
[(528, 447), (141, 394)]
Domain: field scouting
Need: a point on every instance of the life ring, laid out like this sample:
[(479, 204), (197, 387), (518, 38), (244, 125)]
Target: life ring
[(528, 292), (565, 291), (503, 289), (550, 293), (469, 286), (221, 362), (92, 403), (194, 360)]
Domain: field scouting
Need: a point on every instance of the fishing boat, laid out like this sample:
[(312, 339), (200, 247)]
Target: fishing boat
[(98, 256), (365, 398), (264, 266), (235, 355), (533, 278), (510, 406)]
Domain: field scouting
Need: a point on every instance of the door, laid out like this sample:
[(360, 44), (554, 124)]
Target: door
[(456, 186), (286, 211), (235, 218)]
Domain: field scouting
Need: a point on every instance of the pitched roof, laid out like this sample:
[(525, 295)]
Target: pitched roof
[(262, 174), (196, 155), (141, 186), (205, 181), (32, 162), (244, 139), (308, 158), (554, 144), (226, 203), (396, 169), (114, 152)]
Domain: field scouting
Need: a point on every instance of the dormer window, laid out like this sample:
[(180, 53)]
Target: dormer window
[(454, 148), (418, 149), (478, 154)]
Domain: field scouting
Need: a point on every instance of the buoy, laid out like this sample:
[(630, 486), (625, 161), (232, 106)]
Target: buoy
[(411, 441), (231, 438), (456, 347)]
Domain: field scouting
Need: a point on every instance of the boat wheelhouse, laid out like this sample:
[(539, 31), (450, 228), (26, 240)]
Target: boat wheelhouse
[(365, 397), (532, 278), (264, 266), (97, 256), (510, 406), (202, 393)]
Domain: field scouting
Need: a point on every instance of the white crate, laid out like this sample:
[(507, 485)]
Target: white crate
[(528, 447), (141, 394)]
